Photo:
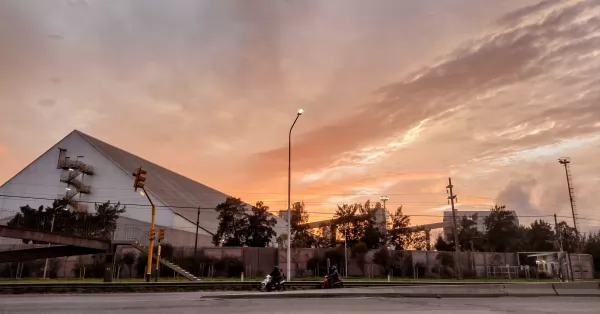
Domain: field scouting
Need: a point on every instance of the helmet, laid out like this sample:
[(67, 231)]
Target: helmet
[(275, 268), (333, 268)]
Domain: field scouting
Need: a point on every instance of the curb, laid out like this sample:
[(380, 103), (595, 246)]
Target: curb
[(478, 291)]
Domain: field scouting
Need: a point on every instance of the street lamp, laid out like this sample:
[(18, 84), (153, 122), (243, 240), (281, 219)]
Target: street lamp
[(289, 210)]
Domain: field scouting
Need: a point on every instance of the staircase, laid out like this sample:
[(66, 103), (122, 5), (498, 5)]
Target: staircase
[(70, 175), (144, 249)]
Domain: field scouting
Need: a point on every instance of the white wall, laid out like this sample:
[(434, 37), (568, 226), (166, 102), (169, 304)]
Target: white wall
[(41, 180)]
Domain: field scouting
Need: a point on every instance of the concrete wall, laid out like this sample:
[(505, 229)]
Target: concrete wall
[(41, 181), (260, 261)]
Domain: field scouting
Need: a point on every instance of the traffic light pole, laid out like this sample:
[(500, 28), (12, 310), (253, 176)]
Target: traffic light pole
[(157, 262), (150, 238)]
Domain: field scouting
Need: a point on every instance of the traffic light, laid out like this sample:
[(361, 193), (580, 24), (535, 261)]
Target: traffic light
[(151, 235), (161, 233), (140, 178)]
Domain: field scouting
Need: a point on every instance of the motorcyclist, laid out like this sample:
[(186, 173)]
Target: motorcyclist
[(333, 276), (275, 276)]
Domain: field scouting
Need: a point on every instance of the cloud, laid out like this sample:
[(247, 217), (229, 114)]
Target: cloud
[(399, 95)]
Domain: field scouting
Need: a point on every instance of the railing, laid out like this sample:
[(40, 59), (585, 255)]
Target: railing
[(82, 188), (76, 164)]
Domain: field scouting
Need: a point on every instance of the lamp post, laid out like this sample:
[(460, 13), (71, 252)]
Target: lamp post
[(289, 210)]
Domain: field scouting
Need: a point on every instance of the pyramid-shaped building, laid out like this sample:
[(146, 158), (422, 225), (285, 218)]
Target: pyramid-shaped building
[(85, 170)]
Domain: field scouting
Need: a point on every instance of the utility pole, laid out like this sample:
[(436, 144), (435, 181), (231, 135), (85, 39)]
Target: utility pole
[(566, 161), (196, 239), (451, 199), (558, 233), (560, 245)]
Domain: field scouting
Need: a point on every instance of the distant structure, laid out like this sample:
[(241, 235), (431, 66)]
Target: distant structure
[(84, 170), (566, 161), (460, 214), (283, 214)]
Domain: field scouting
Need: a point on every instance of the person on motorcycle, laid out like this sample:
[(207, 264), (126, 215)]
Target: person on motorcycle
[(275, 276), (333, 276)]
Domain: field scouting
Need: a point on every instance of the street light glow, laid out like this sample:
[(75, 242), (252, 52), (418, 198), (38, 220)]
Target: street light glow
[(301, 111)]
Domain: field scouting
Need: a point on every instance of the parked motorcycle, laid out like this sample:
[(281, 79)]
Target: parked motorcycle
[(339, 283), (266, 285)]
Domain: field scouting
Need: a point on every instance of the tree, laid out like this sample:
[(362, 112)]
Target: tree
[(569, 237), (469, 237), (57, 217), (400, 235), (359, 223), (128, 259), (105, 219), (418, 240), (443, 245), (501, 230), (259, 230), (323, 237), (301, 235), (592, 247), (359, 252), (233, 223), (540, 237)]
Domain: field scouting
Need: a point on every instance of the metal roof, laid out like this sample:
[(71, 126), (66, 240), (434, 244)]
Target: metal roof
[(172, 189)]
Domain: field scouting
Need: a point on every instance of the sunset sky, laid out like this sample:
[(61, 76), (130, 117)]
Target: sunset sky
[(399, 96)]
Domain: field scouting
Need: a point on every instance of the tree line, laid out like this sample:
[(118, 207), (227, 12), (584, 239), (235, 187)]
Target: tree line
[(358, 224), (56, 217), (503, 234)]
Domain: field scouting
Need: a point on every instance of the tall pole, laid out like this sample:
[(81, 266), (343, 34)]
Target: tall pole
[(558, 233), (51, 230), (456, 248), (565, 161), (345, 250), (289, 209), (196, 240), (150, 238)]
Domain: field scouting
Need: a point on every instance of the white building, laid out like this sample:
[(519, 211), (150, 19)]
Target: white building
[(481, 215), (85, 171)]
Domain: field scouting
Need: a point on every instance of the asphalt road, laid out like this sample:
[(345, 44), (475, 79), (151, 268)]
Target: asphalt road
[(178, 303)]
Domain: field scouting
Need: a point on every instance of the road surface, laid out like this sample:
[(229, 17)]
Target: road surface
[(179, 303)]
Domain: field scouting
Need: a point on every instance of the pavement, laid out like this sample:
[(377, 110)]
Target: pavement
[(197, 302)]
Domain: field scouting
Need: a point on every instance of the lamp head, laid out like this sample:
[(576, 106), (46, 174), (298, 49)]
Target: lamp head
[(301, 111)]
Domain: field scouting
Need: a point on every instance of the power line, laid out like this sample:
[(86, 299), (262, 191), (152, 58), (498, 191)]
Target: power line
[(212, 209), (264, 193)]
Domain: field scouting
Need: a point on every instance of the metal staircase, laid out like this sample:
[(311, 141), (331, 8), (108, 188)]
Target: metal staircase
[(144, 249), (72, 170)]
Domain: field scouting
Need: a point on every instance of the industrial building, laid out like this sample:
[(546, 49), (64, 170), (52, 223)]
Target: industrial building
[(84, 170)]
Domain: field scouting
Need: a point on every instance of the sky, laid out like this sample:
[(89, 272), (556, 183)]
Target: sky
[(398, 97)]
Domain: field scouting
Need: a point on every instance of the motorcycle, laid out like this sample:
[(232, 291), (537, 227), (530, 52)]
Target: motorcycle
[(339, 283), (266, 285)]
